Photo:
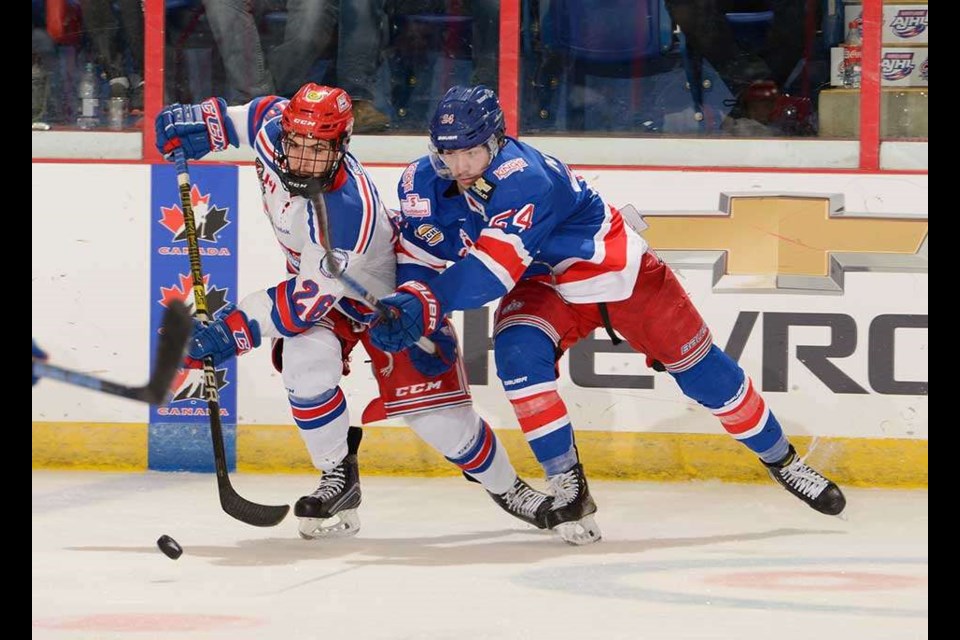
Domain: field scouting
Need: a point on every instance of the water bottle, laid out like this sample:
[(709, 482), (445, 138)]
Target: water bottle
[(853, 55), (88, 91)]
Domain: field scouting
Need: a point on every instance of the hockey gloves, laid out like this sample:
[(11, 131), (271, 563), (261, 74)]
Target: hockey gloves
[(198, 128), (414, 311), (435, 364), (38, 354), (230, 334)]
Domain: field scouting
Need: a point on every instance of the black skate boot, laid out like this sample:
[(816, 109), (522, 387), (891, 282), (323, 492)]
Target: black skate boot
[(338, 496), (525, 502), (571, 515), (807, 484)]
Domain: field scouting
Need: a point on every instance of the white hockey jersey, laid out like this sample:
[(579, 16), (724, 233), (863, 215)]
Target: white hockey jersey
[(359, 228)]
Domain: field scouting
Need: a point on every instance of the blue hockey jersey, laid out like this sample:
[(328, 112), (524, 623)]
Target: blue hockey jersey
[(528, 216)]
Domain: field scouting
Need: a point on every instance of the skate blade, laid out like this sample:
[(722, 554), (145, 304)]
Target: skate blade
[(582, 531), (342, 525)]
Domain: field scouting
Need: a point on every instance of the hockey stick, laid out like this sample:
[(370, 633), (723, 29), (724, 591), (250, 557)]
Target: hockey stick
[(175, 330), (258, 515), (333, 266)]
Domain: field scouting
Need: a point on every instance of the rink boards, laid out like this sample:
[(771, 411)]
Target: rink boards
[(816, 283)]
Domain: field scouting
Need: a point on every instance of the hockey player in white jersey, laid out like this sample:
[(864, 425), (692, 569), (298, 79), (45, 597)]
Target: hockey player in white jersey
[(320, 201)]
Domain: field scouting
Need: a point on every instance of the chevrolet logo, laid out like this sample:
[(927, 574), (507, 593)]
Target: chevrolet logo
[(787, 242)]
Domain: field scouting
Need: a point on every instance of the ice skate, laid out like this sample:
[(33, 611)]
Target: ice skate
[(807, 484), (571, 515), (525, 502), (331, 510)]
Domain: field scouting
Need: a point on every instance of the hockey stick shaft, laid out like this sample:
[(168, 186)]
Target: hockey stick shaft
[(175, 330), (333, 266), (233, 504)]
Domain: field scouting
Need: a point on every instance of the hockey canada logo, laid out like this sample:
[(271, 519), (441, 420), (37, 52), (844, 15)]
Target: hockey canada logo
[(210, 220), (188, 383), (188, 386), (183, 291), (923, 69)]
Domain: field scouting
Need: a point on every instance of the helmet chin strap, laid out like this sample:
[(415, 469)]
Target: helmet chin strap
[(307, 187)]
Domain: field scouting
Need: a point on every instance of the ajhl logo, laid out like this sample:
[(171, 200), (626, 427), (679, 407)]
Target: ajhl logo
[(896, 65), (909, 22), (210, 219)]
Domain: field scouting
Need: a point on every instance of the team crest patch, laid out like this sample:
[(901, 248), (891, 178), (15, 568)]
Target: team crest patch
[(315, 96), (429, 234), (483, 189), (510, 166), (406, 181), (414, 207)]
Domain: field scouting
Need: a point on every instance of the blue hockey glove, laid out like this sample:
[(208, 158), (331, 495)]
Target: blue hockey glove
[(38, 354), (198, 128), (435, 364), (415, 311), (230, 334)]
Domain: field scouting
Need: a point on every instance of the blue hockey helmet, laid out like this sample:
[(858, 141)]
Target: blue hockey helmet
[(466, 117)]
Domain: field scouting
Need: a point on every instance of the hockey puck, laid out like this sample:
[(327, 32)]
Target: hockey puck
[(170, 547)]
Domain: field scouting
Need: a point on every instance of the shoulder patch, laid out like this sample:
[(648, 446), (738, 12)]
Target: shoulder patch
[(510, 166), (406, 180), (483, 189), (429, 234), (413, 206)]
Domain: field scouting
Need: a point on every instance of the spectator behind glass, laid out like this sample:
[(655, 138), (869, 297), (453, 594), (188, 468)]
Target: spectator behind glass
[(708, 33), (310, 27), (757, 66), (103, 29), (486, 42)]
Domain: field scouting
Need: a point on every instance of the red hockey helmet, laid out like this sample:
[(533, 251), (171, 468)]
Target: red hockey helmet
[(315, 112)]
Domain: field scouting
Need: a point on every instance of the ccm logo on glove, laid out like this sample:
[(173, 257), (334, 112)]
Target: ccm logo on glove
[(213, 119)]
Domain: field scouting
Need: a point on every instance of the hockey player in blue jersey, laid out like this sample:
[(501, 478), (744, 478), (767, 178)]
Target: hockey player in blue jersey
[(319, 201), (518, 224)]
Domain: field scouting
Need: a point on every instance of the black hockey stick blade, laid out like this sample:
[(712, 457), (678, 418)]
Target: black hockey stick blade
[(175, 330), (252, 513)]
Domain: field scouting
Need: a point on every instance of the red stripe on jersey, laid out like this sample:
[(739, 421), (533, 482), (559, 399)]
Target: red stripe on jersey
[(746, 415), (268, 148), (614, 259), (503, 253), (284, 312), (265, 103), (366, 225)]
